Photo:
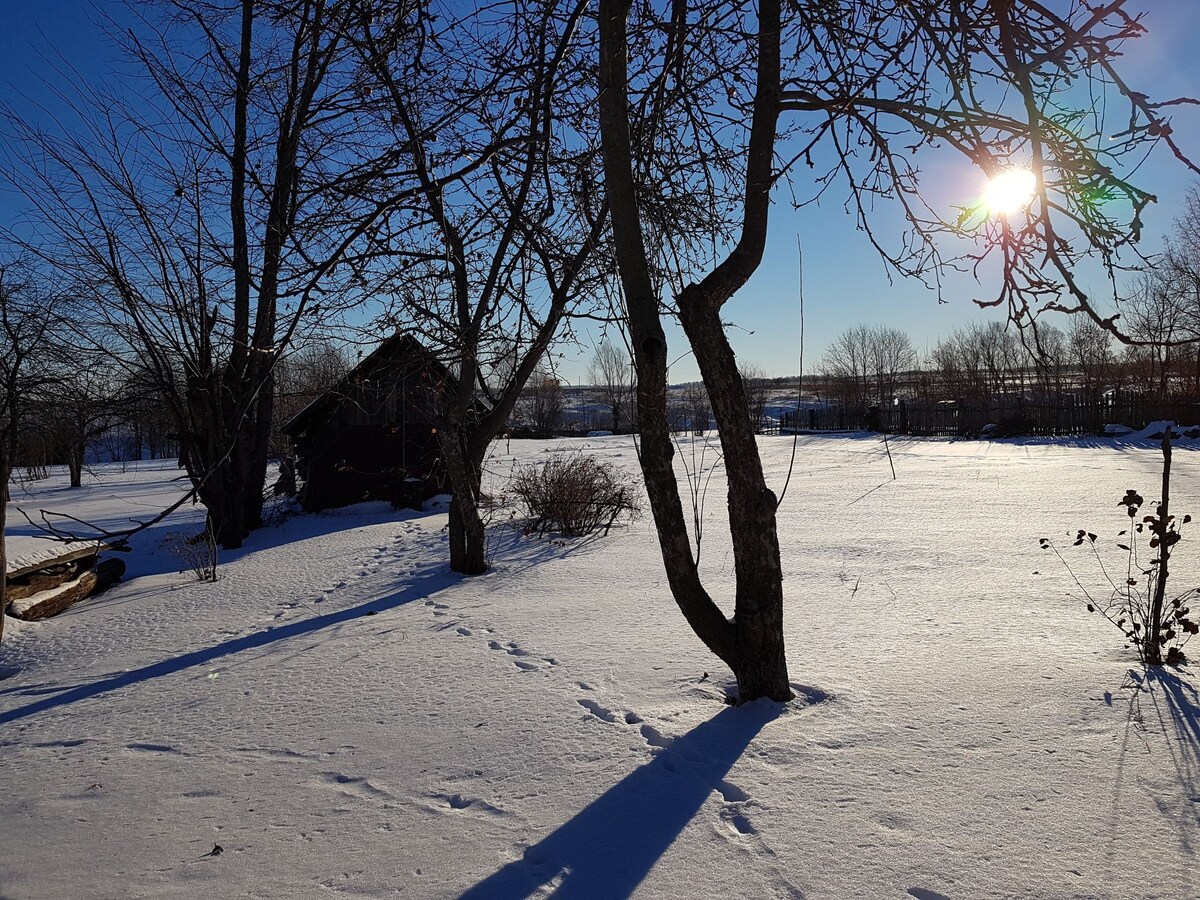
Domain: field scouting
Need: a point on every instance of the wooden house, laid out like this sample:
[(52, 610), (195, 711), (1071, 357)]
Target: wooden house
[(373, 435)]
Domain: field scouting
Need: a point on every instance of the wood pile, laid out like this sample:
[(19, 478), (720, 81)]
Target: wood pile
[(48, 586)]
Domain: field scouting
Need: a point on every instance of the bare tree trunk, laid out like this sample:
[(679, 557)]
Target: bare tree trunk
[(75, 459), (752, 643), (761, 667), (1162, 530), (468, 537)]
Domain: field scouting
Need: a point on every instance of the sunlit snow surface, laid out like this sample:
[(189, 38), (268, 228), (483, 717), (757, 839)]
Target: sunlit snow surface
[(340, 715)]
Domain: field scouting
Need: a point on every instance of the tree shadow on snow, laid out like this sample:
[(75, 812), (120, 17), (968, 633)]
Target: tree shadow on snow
[(512, 550), (1174, 707), (1176, 699), (609, 847), (434, 579)]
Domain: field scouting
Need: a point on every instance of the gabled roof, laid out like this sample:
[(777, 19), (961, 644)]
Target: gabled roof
[(400, 346)]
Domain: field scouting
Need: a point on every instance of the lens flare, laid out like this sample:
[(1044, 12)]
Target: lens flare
[(1009, 192)]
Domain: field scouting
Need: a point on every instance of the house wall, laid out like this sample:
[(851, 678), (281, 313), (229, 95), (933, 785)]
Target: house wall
[(377, 441)]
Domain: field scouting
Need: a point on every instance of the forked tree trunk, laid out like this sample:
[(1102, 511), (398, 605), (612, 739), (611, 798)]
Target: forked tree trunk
[(751, 644)]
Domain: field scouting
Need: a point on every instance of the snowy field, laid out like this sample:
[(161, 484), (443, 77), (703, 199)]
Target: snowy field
[(340, 715)]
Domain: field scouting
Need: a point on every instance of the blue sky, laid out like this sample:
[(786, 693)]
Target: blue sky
[(845, 282)]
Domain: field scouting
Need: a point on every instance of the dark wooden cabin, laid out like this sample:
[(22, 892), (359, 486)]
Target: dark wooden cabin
[(373, 436)]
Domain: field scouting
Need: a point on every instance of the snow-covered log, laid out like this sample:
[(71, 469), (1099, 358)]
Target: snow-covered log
[(53, 601)]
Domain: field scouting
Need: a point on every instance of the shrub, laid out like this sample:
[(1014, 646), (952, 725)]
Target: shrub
[(197, 552), (574, 495)]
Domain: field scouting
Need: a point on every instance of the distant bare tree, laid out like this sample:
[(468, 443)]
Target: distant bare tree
[(543, 403), (1090, 352), (1160, 323), (79, 410), (696, 406), (846, 366), (1049, 353), (300, 377), (610, 373), (864, 363), (891, 354), (758, 392)]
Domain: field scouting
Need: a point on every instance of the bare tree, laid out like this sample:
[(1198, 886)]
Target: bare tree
[(868, 82), (28, 318), (610, 373), (543, 403), (78, 409), (758, 392), (864, 363), (197, 226), (486, 270), (1155, 318), (311, 369), (1089, 349), (696, 407), (891, 355), (847, 364)]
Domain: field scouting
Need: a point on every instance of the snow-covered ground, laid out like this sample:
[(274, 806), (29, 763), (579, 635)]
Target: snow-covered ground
[(339, 714)]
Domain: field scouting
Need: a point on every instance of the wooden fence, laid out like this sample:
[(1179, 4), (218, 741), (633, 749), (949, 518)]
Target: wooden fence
[(1006, 416)]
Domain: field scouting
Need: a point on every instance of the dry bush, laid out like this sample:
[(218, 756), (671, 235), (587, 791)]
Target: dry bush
[(575, 495), (197, 552)]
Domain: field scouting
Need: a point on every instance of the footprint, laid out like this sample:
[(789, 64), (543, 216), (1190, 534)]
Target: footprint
[(654, 737), (153, 748), (526, 666), (465, 632), (738, 822), (731, 793), (458, 801), (352, 784), (605, 715), (925, 894)]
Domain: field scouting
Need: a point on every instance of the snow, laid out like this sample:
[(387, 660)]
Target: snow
[(1155, 431), (343, 716)]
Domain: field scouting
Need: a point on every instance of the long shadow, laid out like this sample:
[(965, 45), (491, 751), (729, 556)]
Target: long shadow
[(610, 846), (1183, 705), (1175, 705), (421, 588)]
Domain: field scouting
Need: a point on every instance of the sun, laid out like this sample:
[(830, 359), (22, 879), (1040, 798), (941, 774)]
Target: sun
[(1009, 192)]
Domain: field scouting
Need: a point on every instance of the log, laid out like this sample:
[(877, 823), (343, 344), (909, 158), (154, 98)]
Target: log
[(48, 578), (53, 601)]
